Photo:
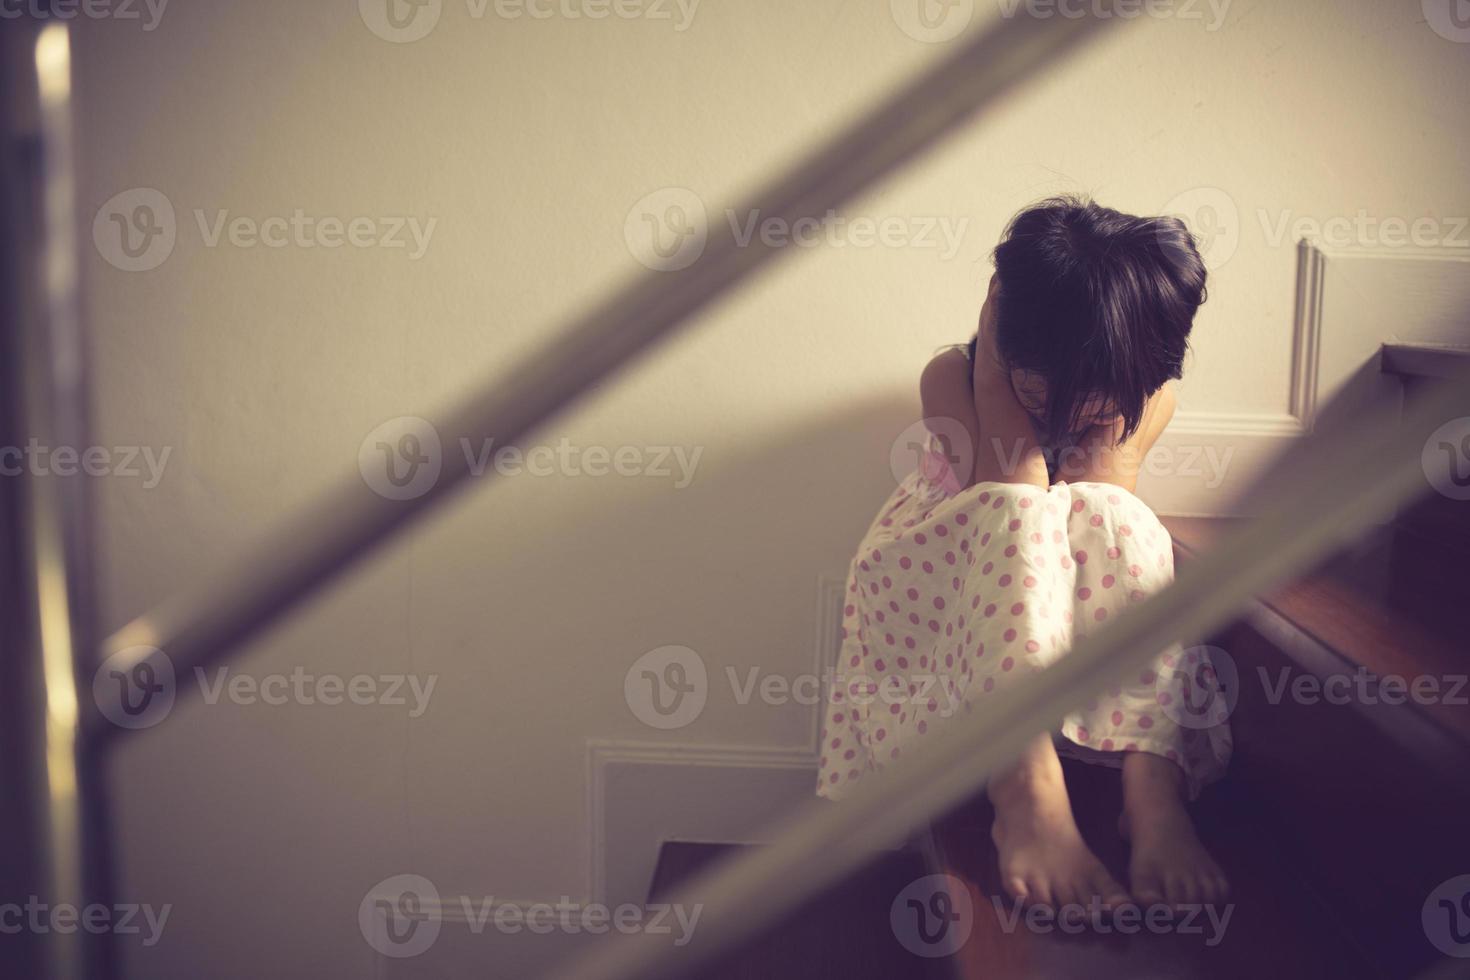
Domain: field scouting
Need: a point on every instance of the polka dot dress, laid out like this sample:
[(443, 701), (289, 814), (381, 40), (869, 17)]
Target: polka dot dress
[(954, 594)]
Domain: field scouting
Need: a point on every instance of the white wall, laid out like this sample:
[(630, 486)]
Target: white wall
[(528, 142)]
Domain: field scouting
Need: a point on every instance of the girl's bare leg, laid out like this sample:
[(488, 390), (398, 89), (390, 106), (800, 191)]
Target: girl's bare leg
[(1043, 859), (1168, 865)]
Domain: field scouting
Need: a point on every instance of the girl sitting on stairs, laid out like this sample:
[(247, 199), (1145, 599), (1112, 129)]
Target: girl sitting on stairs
[(1020, 533)]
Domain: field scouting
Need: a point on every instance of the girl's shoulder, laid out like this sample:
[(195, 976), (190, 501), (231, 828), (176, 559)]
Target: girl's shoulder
[(946, 379)]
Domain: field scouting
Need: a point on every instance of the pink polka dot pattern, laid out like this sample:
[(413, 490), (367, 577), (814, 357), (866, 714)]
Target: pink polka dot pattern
[(942, 575)]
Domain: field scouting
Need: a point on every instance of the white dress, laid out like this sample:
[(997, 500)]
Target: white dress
[(954, 594)]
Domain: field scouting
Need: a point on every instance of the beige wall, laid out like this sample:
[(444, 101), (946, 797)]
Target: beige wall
[(528, 142)]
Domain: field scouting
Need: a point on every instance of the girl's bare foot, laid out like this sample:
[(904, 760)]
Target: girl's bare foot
[(1043, 859), (1168, 864)]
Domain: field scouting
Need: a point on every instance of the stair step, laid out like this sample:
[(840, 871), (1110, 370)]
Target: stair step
[(843, 934), (1272, 925), (1365, 801), (1364, 610)]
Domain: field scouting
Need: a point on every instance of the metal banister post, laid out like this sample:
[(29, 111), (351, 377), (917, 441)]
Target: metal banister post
[(54, 788)]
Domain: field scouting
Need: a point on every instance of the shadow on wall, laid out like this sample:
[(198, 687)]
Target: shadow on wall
[(530, 599)]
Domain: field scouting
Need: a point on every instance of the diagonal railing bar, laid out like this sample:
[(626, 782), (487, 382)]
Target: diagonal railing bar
[(1316, 500), (198, 626)]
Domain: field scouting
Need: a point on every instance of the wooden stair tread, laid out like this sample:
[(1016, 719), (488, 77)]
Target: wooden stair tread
[(1362, 629), (1276, 926), (843, 934)]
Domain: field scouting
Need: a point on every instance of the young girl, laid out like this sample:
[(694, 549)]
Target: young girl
[(1020, 533)]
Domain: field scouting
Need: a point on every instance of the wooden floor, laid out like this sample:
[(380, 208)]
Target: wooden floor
[(844, 934), (1272, 926)]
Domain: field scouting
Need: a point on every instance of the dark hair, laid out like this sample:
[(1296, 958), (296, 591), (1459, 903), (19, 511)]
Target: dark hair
[(1098, 303)]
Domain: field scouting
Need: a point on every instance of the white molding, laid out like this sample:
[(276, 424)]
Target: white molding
[(1253, 439), (604, 753), (1306, 335), (1187, 422), (1415, 253)]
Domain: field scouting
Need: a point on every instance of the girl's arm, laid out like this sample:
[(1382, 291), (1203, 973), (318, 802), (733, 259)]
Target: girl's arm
[(1007, 450), (1003, 447), (944, 389)]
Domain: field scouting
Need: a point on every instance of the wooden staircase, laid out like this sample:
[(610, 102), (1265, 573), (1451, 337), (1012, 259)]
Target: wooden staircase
[(1347, 803)]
